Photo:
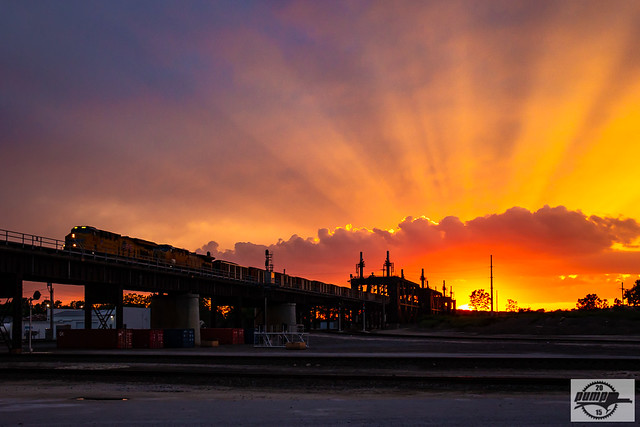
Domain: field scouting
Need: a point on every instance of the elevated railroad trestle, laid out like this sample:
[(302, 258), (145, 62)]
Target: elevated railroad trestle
[(25, 257)]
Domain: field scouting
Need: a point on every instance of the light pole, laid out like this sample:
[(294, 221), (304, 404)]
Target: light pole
[(51, 334), (36, 296)]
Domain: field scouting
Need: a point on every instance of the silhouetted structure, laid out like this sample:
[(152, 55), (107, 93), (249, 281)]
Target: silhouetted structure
[(407, 300), (176, 275)]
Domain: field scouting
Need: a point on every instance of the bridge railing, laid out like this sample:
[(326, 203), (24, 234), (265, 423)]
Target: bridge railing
[(30, 240)]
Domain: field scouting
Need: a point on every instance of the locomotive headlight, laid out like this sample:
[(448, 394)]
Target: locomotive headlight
[(73, 235), (74, 245)]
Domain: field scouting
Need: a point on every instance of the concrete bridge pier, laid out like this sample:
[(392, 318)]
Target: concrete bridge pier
[(281, 316), (176, 311), (11, 287), (213, 314), (237, 312)]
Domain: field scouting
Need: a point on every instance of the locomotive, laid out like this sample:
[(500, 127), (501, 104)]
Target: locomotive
[(90, 239)]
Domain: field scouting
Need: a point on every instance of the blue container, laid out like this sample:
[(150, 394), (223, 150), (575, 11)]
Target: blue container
[(179, 338)]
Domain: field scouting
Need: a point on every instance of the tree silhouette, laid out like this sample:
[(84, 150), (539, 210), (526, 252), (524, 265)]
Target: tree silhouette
[(75, 304), (633, 295), (512, 305), (136, 300), (480, 300), (591, 302)]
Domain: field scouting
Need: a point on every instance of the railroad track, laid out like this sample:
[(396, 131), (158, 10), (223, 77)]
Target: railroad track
[(304, 371)]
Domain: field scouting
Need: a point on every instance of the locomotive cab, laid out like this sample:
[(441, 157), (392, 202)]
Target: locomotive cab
[(79, 237)]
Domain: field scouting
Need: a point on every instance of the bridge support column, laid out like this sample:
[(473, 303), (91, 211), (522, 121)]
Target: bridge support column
[(303, 316), (16, 345), (119, 309), (237, 313), (178, 311), (88, 311), (384, 316), (213, 314), (11, 287), (282, 316), (88, 307)]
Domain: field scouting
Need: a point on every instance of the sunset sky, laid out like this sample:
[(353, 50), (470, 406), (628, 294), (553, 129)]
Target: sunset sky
[(442, 131)]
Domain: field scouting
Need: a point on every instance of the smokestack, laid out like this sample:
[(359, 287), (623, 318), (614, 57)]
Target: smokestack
[(422, 279), (360, 267), (387, 265)]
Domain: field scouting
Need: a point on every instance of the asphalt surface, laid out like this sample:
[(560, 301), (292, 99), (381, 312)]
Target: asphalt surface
[(351, 358), (396, 378)]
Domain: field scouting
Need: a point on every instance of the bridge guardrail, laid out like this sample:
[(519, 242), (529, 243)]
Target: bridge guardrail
[(32, 240)]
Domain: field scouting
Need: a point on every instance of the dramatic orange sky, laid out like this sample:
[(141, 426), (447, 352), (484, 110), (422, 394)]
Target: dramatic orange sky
[(442, 131)]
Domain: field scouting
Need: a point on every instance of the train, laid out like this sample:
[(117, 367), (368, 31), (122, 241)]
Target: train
[(93, 240), (88, 239)]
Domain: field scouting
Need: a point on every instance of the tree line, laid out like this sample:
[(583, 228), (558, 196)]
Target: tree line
[(480, 300), (42, 308)]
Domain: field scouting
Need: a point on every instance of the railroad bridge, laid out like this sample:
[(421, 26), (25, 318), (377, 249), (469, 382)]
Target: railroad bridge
[(25, 257)]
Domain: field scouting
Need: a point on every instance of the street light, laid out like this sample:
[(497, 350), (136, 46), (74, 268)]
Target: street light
[(36, 296)]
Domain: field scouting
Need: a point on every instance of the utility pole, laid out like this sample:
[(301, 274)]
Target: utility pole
[(268, 266), (268, 272), (491, 271), (50, 287), (622, 290)]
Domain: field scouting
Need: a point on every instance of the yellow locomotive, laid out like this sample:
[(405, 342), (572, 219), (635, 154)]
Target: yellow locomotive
[(92, 240)]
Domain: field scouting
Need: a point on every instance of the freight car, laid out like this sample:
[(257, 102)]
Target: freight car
[(93, 240)]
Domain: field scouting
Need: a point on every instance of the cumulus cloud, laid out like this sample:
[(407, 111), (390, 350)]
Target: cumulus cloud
[(554, 233)]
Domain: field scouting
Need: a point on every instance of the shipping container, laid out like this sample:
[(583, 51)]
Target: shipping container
[(148, 338), (179, 338), (223, 335), (94, 338)]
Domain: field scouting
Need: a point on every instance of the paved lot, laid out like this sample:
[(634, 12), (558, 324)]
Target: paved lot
[(100, 387), (64, 403), (405, 342)]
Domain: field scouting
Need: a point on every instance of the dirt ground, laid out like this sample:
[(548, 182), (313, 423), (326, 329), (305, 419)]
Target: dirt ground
[(598, 322)]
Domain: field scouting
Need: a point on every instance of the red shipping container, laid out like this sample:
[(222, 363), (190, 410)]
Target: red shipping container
[(94, 338), (238, 336), (147, 338)]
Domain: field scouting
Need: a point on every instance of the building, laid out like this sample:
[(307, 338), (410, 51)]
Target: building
[(67, 318), (407, 300)]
